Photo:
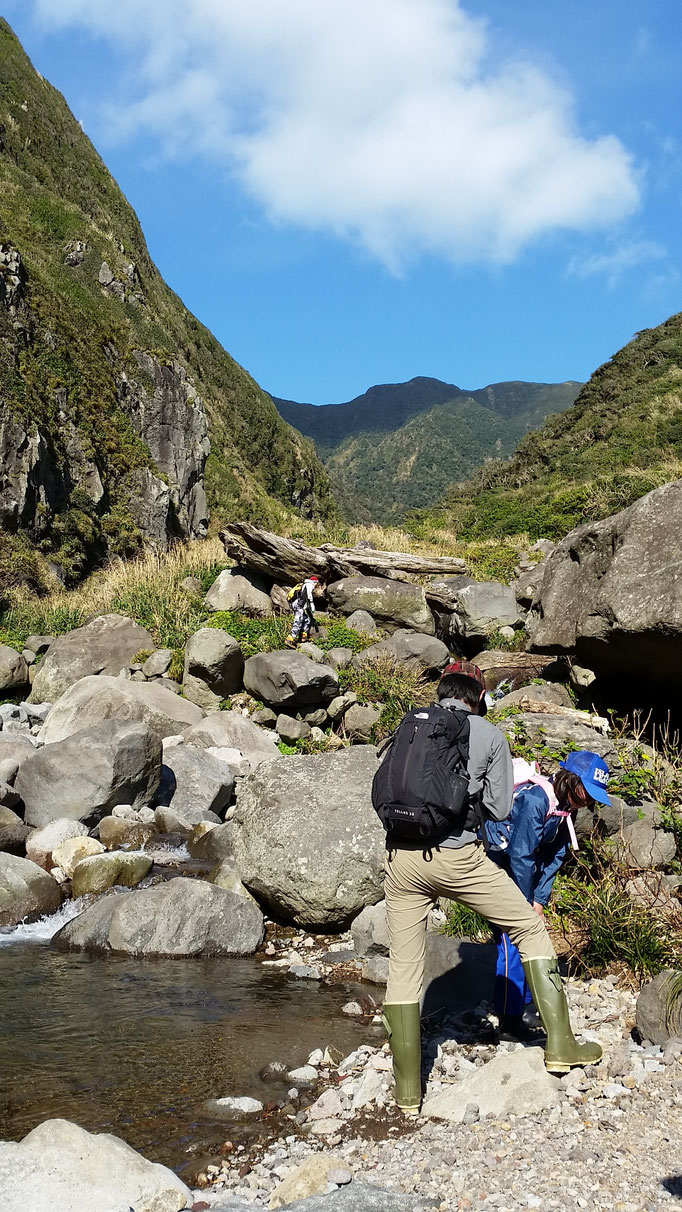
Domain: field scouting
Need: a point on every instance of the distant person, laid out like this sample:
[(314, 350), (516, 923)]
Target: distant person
[(531, 844), (445, 769), (302, 599)]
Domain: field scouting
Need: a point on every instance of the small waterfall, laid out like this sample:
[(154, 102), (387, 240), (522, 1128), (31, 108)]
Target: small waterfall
[(45, 928)]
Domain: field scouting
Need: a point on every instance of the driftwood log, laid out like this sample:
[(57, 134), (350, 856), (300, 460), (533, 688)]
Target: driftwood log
[(287, 561), (598, 722)]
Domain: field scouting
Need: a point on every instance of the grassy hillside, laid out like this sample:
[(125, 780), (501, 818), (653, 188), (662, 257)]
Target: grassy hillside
[(399, 446), (68, 338), (621, 438)]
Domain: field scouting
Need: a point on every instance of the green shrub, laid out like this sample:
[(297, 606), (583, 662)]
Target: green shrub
[(389, 682), (252, 635), (466, 923)]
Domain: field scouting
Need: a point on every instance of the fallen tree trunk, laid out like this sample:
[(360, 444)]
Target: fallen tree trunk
[(289, 561), (598, 722)]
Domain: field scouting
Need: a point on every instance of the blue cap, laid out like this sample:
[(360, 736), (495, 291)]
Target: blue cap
[(592, 772)]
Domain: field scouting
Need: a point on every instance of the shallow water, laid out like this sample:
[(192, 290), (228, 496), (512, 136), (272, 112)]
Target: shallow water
[(136, 1047)]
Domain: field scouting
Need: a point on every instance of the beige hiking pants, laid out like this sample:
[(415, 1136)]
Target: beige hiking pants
[(413, 885)]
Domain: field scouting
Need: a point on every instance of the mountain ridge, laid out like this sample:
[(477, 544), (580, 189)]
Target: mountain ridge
[(398, 447)]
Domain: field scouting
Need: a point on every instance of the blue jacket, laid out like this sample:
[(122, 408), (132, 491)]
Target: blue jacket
[(530, 845)]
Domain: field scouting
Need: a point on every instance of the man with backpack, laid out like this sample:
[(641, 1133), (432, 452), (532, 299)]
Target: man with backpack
[(446, 769), (302, 600)]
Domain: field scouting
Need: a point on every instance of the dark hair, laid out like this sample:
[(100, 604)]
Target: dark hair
[(459, 686), (569, 789)]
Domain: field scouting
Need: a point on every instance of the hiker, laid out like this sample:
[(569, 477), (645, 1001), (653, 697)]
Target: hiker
[(531, 844), (444, 769), (302, 600)]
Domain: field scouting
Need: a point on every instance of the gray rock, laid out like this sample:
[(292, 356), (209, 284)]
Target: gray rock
[(214, 667), (370, 930), (39, 644), (235, 1108), (94, 700), (512, 1083), (339, 706), (232, 730), (158, 663), (194, 781), (547, 692), (483, 608), (171, 820), (394, 601), (374, 969), (105, 645), (642, 845), (232, 591), (191, 585), (316, 719), (264, 717), (225, 875), (610, 592), (26, 891), (217, 846), (362, 622), (13, 669), (556, 731), (421, 652), (360, 1197), (180, 917), (61, 1166), (359, 720), (286, 680), (148, 499), (9, 798), (42, 842), (291, 730), (8, 770), (307, 841), (659, 1018), (441, 592), (610, 818), (458, 974), (84, 776), (339, 658), (312, 652)]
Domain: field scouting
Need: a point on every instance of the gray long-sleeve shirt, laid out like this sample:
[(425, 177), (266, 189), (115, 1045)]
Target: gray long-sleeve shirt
[(490, 772)]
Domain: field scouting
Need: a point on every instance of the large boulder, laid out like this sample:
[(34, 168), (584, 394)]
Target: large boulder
[(194, 781), (94, 700), (86, 775), (232, 730), (68, 854), (391, 601), (99, 872), (423, 653), (482, 608), (557, 732), (105, 645), (286, 679), (370, 930), (611, 595), (233, 591), (180, 917), (60, 1167), (13, 832), (642, 845), (659, 1013), (214, 667), (545, 692), (13, 669), (41, 843), (26, 891), (307, 841)]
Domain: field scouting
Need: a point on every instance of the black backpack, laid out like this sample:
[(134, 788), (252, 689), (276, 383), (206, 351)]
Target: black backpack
[(421, 790)]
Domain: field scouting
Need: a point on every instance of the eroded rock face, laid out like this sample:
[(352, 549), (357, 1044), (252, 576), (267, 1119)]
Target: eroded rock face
[(180, 917), (32, 483), (307, 841), (105, 645), (94, 700), (87, 774), (26, 891), (392, 601), (288, 680), (611, 592), (169, 416)]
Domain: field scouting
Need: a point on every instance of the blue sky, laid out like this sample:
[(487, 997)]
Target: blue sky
[(360, 193)]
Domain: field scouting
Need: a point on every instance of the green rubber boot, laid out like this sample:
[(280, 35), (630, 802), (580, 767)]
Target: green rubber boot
[(404, 1034), (562, 1050)]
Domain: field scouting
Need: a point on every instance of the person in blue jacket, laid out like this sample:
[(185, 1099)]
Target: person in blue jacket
[(531, 845)]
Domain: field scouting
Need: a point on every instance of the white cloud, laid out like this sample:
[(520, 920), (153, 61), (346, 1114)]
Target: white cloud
[(386, 122), (617, 261)]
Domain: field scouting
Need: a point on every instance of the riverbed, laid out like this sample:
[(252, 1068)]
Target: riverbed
[(137, 1047)]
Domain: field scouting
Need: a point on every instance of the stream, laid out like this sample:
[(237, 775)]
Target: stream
[(137, 1046)]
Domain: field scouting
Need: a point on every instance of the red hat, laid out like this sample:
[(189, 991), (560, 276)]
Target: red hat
[(466, 669), (313, 578)]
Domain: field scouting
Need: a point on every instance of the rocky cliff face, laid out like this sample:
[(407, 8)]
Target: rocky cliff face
[(122, 420)]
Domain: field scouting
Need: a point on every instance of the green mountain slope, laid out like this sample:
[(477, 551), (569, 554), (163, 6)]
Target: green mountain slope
[(621, 438), (399, 446), (110, 390)]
